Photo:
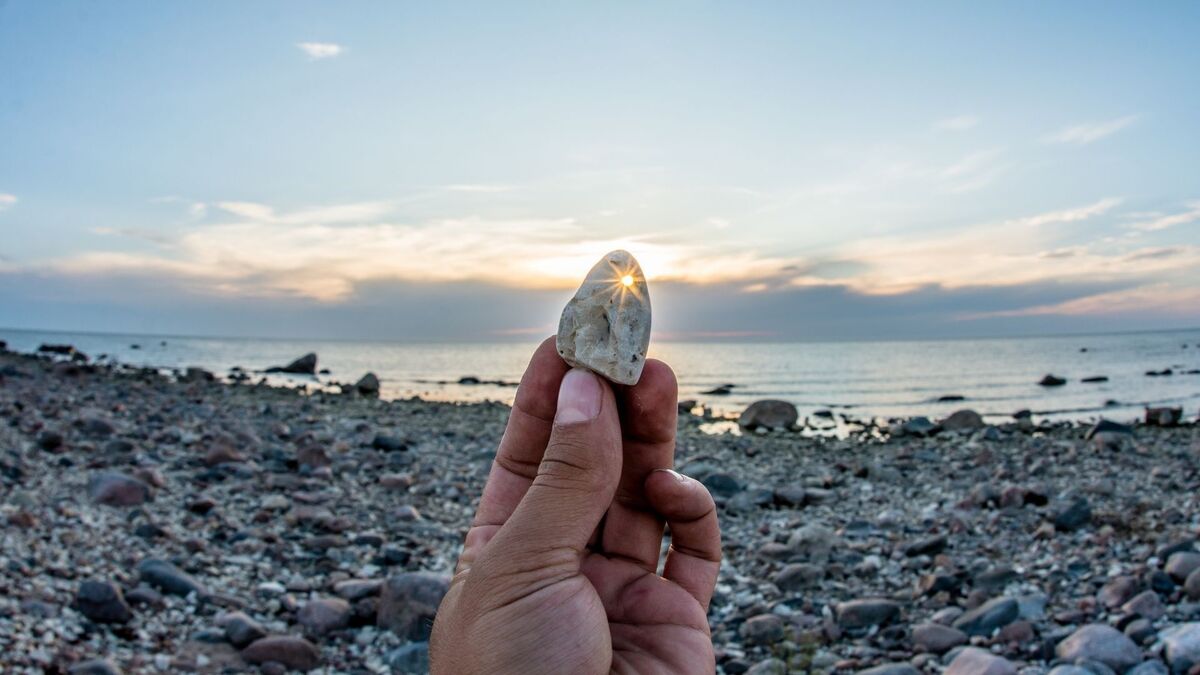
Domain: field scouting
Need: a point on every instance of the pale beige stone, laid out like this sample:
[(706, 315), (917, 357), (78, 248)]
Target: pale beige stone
[(606, 326)]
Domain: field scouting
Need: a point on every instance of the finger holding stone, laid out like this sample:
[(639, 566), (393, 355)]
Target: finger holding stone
[(525, 438), (633, 529), (694, 559)]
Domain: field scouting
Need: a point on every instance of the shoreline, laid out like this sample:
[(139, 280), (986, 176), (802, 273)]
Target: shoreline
[(311, 516)]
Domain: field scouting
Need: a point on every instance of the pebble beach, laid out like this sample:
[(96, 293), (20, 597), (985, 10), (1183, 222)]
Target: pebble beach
[(183, 522)]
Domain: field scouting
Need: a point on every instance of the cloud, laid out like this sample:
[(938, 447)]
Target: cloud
[(1067, 215), (957, 123), (334, 254), (1158, 299), (319, 50), (1161, 222), (1089, 132), (327, 215), (7, 200)]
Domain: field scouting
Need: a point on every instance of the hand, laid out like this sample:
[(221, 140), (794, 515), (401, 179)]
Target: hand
[(558, 573)]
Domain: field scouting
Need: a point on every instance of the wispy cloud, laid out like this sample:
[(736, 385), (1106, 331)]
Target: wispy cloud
[(957, 123), (1067, 215), (1161, 222), (7, 200), (320, 50), (1090, 132), (358, 212)]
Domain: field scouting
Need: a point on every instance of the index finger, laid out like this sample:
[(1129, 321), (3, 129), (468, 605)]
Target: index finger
[(525, 438)]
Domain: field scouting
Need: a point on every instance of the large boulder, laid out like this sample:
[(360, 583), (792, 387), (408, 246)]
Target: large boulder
[(409, 603), (305, 365), (367, 385), (963, 420), (769, 414)]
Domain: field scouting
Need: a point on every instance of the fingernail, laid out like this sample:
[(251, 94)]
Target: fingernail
[(578, 397), (674, 474)]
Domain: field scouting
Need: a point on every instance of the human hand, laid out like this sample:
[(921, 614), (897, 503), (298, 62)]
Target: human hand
[(558, 573)]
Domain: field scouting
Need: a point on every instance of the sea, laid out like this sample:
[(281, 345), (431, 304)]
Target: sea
[(859, 380)]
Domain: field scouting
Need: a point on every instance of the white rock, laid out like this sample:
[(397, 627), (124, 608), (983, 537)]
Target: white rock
[(606, 326)]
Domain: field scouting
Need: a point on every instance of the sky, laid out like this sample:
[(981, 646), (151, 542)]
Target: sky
[(450, 171)]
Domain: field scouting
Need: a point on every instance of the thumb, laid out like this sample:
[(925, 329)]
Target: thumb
[(578, 474)]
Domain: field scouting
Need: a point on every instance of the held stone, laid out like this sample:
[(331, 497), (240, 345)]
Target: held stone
[(606, 326)]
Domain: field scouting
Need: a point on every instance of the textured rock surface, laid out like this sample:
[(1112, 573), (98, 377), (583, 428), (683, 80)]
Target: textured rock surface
[(606, 326), (1182, 646), (1098, 642), (975, 661), (770, 414)]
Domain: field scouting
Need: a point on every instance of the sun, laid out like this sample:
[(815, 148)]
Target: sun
[(627, 279)]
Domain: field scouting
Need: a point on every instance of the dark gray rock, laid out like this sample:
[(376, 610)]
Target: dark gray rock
[(102, 602), (867, 612), (305, 365), (169, 578), (324, 615), (722, 485), (799, 576), (764, 629), (1146, 605), (241, 630), (936, 638), (1071, 513), (293, 652), (991, 615), (388, 443), (1181, 565), (367, 385), (963, 420), (927, 546), (409, 602), (111, 488), (1191, 585)]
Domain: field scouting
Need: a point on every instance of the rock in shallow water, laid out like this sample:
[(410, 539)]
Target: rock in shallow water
[(769, 414), (606, 326)]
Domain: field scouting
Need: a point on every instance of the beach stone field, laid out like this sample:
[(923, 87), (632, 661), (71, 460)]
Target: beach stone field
[(183, 522)]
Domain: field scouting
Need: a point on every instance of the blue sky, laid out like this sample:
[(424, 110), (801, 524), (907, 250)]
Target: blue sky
[(449, 171)]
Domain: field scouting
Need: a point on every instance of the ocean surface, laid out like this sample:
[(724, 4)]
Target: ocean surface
[(860, 379)]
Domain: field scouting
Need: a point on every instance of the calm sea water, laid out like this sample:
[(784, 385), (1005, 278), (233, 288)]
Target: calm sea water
[(861, 379)]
